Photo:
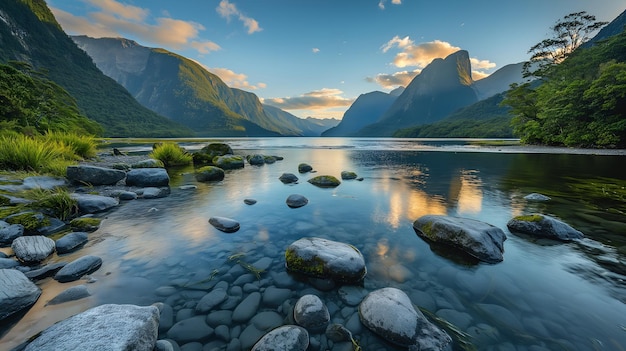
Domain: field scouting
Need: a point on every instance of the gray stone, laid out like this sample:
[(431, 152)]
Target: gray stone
[(88, 203), (322, 258), (351, 295), (154, 192), (8, 263), (148, 163), (106, 327), (10, 233), (224, 224), (17, 292), (296, 200), (249, 201), (43, 182), (71, 242), (267, 320), (228, 162), (338, 333), (55, 225), (147, 177), (164, 345), (126, 195), (288, 338), (536, 197), (219, 317), (304, 167), (32, 249), (288, 178), (389, 313), (311, 313), (210, 300), (45, 271), (247, 308), (78, 268), (544, 226), (325, 181), (71, 294), (348, 175), (256, 160), (190, 329), (209, 174), (166, 316), (273, 296), (479, 239), (93, 175)]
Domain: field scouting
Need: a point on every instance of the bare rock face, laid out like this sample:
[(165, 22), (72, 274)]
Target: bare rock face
[(106, 327), (389, 313), (32, 249), (17, 292)]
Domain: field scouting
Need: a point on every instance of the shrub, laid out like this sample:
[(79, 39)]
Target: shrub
[(171, 154)]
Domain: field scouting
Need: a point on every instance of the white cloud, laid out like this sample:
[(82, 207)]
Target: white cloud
[(228, 10), (394, 80), (115, 19), (381, 3), (315, 100), (316, 50)]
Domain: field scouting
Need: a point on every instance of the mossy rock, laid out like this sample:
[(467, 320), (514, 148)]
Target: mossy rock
[(209, 152), (149, 163), (85, 224), (325, 181), (209, 173), (348, 175), (32, 221), (228, 162), (304, 167)]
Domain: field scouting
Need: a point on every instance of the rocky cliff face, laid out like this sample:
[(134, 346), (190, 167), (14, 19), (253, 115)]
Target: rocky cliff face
[(365, 110), (444, 86), (499, 81)]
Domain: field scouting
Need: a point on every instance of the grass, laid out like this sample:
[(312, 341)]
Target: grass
[(58, 201), (82, 146), (171, 154)]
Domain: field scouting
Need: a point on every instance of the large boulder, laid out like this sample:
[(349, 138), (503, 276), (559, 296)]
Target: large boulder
[(390, 313), (32, 249), (106, 327), (287, 337), (89, 203), (228, 161), (322, 258), (144, 177), (209, 174), (17, 292), (479, 239), (94, 175), (78, 268), (543, 226), (207, 153)]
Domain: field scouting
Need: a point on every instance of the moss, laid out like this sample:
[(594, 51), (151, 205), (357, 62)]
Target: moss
[(4, 200), (427, 230), (529, 218), (325, 181), (85, 224), (314, 267), (209, 173), (30, 220)]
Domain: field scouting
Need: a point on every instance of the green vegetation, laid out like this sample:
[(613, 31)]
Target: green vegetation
[(581, 100), (59, 202), (85, 224), (171, 154), (529, 218), (30, 220)]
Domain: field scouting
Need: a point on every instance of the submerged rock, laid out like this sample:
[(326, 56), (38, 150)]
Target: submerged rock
[(17, 292), (288, 178), (224, 224), (228, 162), (287, 337), (322, 258), (209, 173), (348, 175), (296, 200), (389, 313), (71, 294), (325, 181), (479, 239), (106, 327), (544, 227), (256, 160), (304, 167)]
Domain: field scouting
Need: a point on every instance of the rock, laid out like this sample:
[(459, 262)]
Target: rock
[(249, 201), (93, 175), (148, 177), (74, 293), (88, 203), (106, 327), (32, 249), (126, 195), (207, 153), (256, 160), (348, 175), (273, 296), (154, 192), (325, 181), (71, 242), (296, 200), (479, 239), (224, 224), (209, 173), (287, 337), (338, 333), (149, 163), (536, 197), (322, 258), (10, 233), (34, 223), (17, 292), (389, 313), (247, 308), (85, 224), (6, 263), (267, 320), (54, 225), (190, 329), (270, 159), (311, 313), (78, 268), (544, 227), (210, 300), (43, 182), (228, 162), (45, 271), (288, 178), (304, 167)]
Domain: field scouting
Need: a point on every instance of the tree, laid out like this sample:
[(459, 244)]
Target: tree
[(568, 34)]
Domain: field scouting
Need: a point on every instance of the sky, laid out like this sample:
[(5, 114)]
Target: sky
[(313, 58)]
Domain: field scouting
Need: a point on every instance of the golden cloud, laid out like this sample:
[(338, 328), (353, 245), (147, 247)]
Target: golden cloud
[(228, 10), (315, 100)]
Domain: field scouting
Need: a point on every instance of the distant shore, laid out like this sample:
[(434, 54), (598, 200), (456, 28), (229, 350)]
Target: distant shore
[(537, 149)]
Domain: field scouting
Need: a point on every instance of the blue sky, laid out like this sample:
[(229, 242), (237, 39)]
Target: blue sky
[(314, 57)]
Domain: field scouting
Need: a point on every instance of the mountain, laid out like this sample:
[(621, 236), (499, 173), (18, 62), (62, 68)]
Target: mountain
[(615, 27), (30, 33), (309, 127), (499, 81), (442, 87), (365, 110), (183, 90)]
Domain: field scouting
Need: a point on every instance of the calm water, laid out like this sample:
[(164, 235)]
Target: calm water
[(544, 295)]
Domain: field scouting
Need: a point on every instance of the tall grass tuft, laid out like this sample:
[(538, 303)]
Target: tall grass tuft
[(58, 201), (23, 153), (171, 155), (82, 146)]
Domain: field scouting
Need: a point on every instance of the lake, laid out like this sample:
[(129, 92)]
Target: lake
[(545, 295)]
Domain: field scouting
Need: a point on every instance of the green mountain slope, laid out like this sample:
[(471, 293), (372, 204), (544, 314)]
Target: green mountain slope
[(29, 33)]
